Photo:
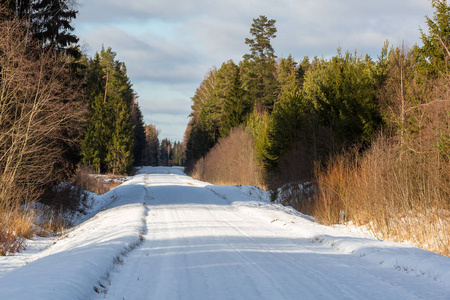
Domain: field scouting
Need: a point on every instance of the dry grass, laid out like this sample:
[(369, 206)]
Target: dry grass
[(86, 178), (20, 221), (400, 196), (400, 187), (15, 224), (52, 221), (232, 161)]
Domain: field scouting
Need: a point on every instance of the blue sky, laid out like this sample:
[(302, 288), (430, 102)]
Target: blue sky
[(169, 46)]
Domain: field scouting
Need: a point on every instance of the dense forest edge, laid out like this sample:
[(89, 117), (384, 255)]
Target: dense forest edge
[(346, 139), (65, 119)]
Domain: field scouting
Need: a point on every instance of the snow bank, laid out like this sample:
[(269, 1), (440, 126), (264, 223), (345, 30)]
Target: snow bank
[(341, 240), (76, 262)]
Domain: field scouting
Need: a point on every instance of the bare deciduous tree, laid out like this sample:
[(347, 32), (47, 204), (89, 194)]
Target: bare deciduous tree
[(41, 108)]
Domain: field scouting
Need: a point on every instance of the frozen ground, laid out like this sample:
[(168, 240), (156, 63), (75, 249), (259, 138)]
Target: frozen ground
[(164, 235)]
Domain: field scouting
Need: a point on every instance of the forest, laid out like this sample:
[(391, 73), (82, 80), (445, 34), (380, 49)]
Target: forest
[(63, 117), (346, 139)]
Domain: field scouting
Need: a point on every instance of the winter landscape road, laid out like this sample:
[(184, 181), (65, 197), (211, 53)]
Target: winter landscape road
[(163, 235)]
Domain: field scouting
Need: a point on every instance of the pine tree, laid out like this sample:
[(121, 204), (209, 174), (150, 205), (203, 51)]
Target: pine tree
[(259, 65), (262, 30)]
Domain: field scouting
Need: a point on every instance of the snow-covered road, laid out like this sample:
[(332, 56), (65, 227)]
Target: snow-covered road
[(164, 235)]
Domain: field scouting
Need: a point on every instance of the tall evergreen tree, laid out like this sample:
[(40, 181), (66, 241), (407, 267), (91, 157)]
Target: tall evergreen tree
[(152, 147), (109, 137), (137, 123), (50, 22), (199, 137), (177, 154), (165, 153), (236, 106), (259, 65), (343, 93), (263, 30), (288, 76), (97, 135), (119, 158), (434, 55), (285, 126)]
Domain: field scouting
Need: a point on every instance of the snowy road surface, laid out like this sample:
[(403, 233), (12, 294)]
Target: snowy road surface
[(163, 235)]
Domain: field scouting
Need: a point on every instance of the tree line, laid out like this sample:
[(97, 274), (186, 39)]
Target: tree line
[(320, 106), (346, 138), (60, 108)]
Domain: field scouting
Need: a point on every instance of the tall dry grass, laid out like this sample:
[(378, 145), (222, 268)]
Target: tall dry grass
[(86, 179), (22, 217), (15, 224), (232, 161), (399, 195)]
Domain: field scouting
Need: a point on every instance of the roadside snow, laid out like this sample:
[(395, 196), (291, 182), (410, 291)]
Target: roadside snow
[(73, 263), (164, 235)]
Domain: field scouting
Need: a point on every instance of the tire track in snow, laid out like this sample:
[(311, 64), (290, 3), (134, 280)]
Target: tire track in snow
[(198, 246), (118, 262)]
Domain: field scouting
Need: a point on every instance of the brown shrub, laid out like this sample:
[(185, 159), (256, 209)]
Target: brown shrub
[(85, 178), (232, 161), (401, 196)]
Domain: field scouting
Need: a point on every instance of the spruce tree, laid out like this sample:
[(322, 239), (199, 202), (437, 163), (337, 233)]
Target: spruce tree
[(236, 106), (51, 21), (287, 76), (434, 55), (285, 125), (97, 136), (165, 153), (343, 94), (202, 131), (119, 158), (109, 139), (152, 145), (137, 123)]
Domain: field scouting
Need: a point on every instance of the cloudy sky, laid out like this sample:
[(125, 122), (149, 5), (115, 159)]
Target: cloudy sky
[(169, 45)]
